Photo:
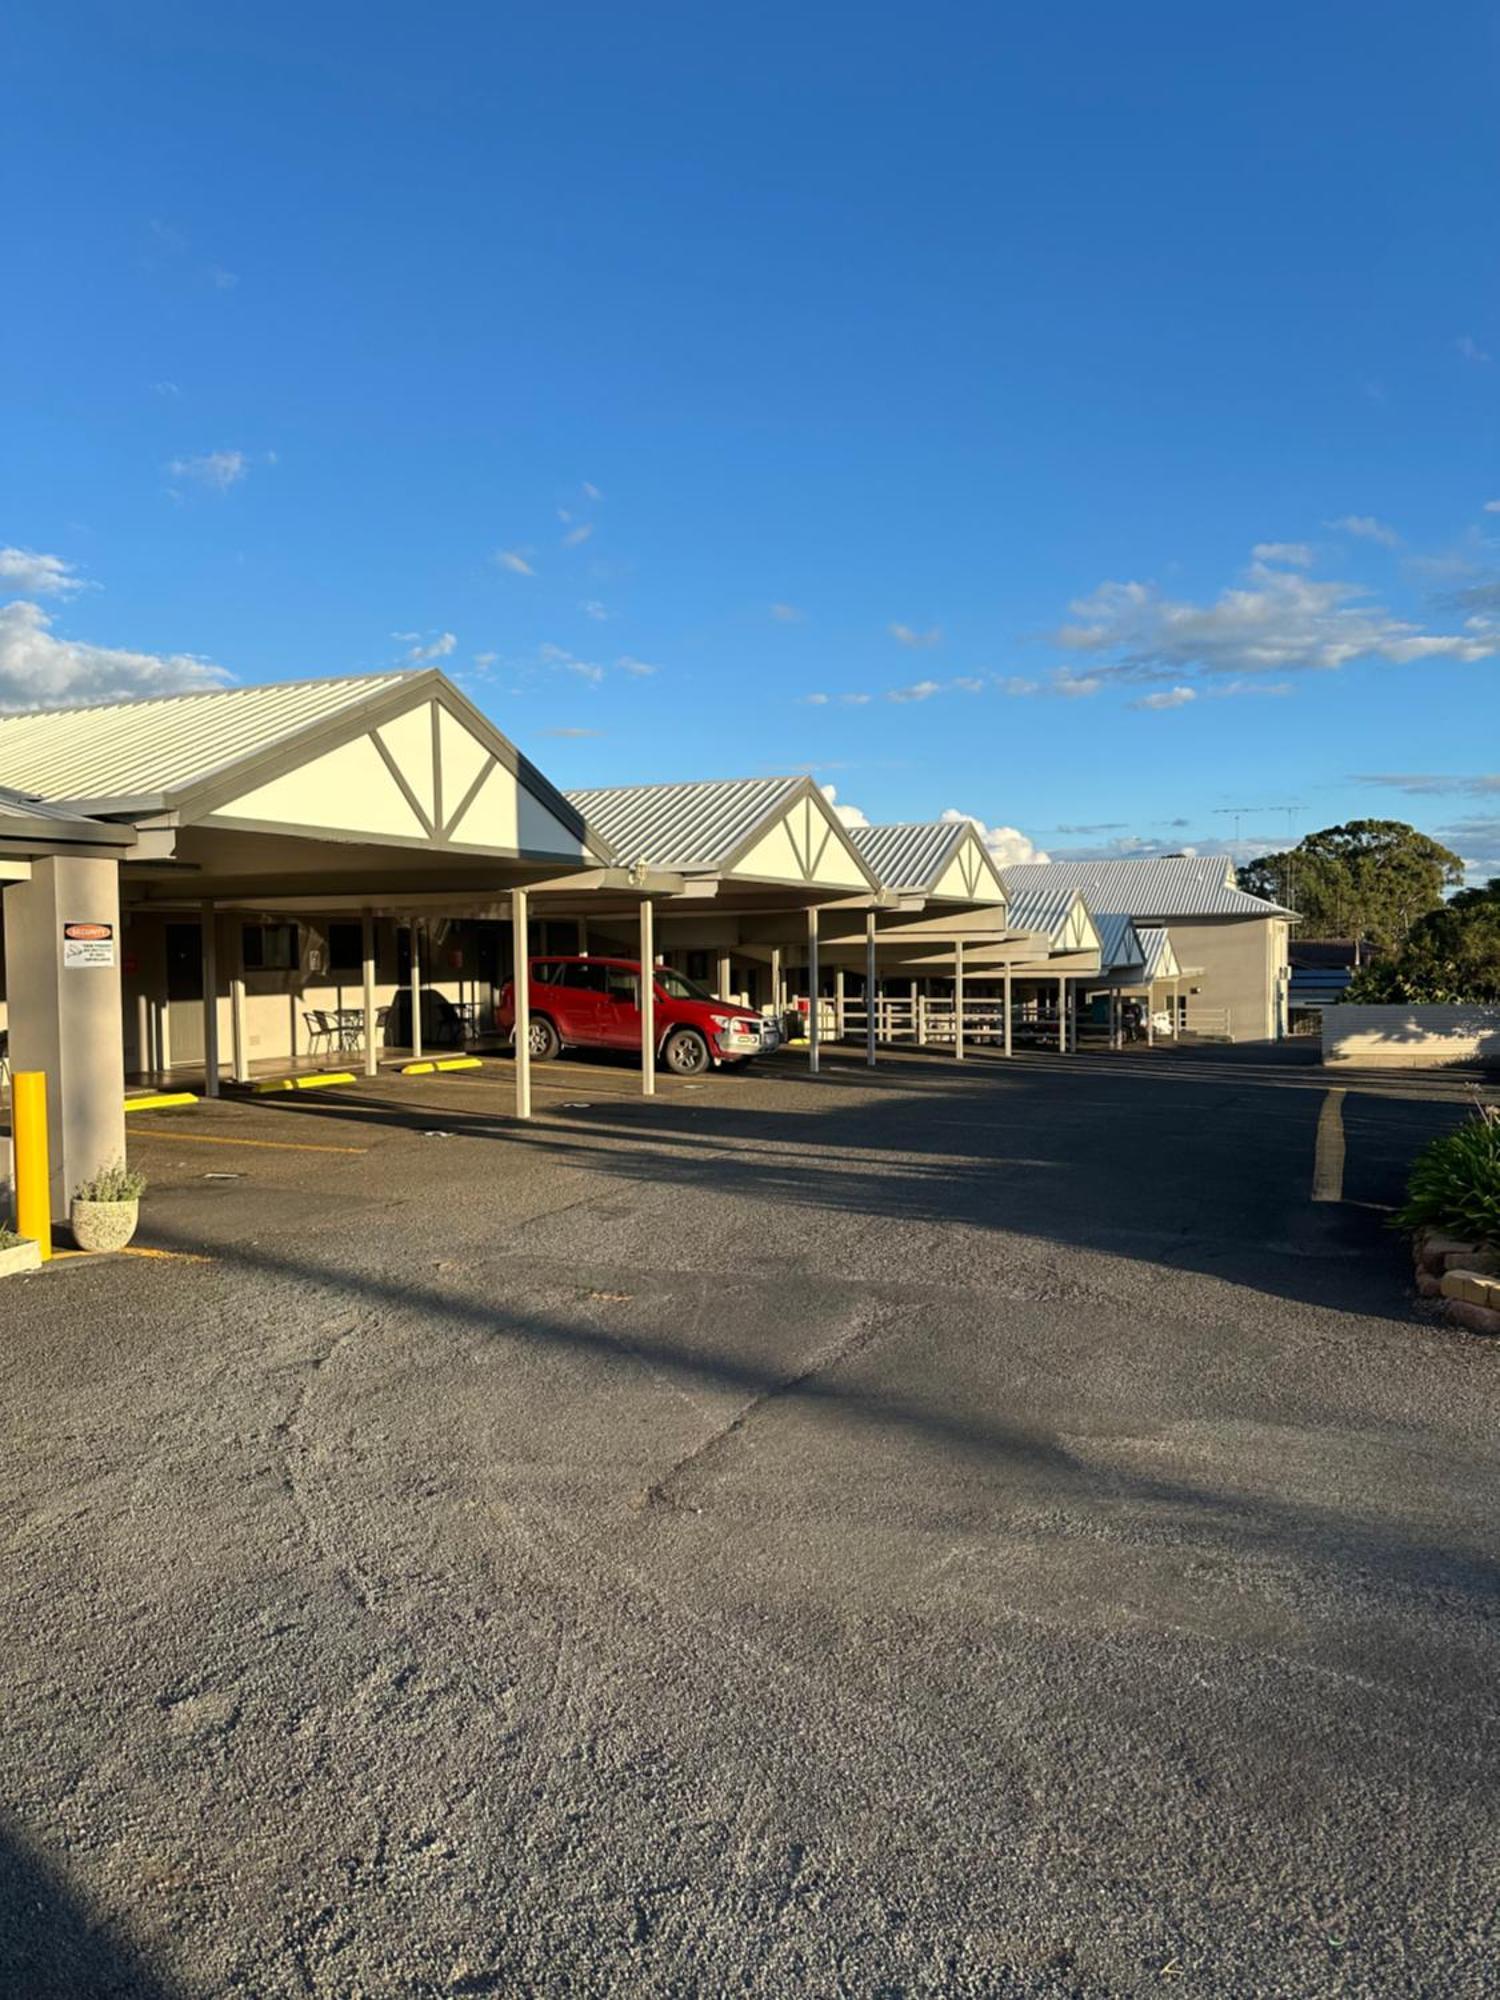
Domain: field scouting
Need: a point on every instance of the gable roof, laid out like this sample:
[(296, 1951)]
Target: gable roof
[(1161, 960), (1048, 910), (1176, 885), (119, 754), (711, 826), (1119, 944), (920, 855), (23, 817)]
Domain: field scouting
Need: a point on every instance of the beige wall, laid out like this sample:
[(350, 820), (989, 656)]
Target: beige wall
[(1242, 962), (1411, 1037)]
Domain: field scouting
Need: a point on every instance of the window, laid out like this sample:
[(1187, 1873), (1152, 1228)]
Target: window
[(270, 947), (676, 987), (582, 978), (622, 988), (346, 947)]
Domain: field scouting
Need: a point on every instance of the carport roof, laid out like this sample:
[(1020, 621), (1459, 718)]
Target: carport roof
[(1119, 942), (23, 817), (920, 855), (1046, 910), (700, 824), (1175, 885), (116, 753)]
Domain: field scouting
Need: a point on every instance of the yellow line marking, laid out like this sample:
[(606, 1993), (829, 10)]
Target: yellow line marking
[(458, 1062), (268, 1145), (135, 1250), (418, 1068), (301, 1082), (1328, 1158), (163, 1102)]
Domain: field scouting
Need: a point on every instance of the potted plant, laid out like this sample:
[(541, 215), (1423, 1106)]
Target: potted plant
[(17, 1253), (105, 1210)]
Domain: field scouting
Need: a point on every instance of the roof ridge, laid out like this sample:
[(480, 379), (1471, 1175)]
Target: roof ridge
[(234, 687), (682, 784)]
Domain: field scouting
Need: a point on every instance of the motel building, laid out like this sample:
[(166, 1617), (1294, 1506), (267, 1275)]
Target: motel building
[(223, 888)]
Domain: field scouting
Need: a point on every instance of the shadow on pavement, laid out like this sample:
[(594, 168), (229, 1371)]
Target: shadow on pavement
[(51, 1949)]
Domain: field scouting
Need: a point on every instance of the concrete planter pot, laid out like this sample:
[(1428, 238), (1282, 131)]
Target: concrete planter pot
[(103, 1225), (23, 1256)]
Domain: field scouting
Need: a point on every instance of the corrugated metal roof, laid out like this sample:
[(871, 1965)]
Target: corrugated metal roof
[(911, 856), (1161, 960), (1187, 885), (1119, 945), (132, 750), (1044, 909), (696, 825), (23, 818)]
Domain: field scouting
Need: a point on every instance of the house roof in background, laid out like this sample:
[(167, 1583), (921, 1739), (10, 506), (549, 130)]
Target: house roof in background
[(1177, 885)]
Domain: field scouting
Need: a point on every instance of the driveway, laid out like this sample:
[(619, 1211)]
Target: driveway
[(973, 1531)]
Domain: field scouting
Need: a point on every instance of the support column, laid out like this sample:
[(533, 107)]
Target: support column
[(367, 950), (838, 1003), (778, 988), (958, 1001), (1062, 1016), (723, 975), (872, 998), (648, 998), (416, 990), (521, 997), (918, 1025), (1007, 1010), (812, 989), (1150, 1017), (583, 937), (239, 1040), (66, 1020), (208, 933)]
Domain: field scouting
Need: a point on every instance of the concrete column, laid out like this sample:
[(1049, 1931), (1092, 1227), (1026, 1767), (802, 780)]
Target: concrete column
[(1062, 1016), (838, 1003), (521, 995), (1150, 1017), (367, 954), (872, 998), (208, 933), (239, 1040), (66, 1020), (416, 991), (723, 977), (778, 990), (918, 1025), (812, 989), (648, 998), (1007, 1010), (958, 1001), (583, 937)]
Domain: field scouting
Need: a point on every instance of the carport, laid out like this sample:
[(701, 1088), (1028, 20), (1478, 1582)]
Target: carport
[(387, 798), (763, 863), (1072, 950)]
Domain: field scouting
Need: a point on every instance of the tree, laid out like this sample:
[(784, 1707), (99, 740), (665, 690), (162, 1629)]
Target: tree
[(1369, 881), (1451, 955)]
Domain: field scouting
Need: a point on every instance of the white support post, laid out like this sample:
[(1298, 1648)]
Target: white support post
[(582, 929), (521, 998), (1062, 1016), (778, 989), (209, 931), (1007, 1010), (367, 951), (648, 998), (239, 1039), (1150, 1017), (416, 990), (958, 1001), (918, 1016), (812, 989), (724, 974), (838, 1003), (872, 998)]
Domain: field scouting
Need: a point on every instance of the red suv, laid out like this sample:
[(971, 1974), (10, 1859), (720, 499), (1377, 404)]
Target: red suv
[(595, 1003)]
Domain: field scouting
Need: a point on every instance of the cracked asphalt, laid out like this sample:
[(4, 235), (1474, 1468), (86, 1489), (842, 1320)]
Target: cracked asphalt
[(971, 1532)]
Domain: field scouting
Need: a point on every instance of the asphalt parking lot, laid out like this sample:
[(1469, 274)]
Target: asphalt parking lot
[(973, 1531)]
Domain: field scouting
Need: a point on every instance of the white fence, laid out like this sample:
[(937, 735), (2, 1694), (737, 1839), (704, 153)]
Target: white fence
[(1412, 1037)]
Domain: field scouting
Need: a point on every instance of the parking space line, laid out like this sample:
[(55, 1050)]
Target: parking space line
[(267, 1145), (1328, 1155)]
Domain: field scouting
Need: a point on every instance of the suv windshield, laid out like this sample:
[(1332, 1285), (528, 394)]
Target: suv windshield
[(677, 988)]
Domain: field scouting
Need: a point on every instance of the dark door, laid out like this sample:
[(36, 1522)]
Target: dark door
[(184, 993)]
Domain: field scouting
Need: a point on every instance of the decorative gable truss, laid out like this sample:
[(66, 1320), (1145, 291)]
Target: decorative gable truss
[(805, 844)]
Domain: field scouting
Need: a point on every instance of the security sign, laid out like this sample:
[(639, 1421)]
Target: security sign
[(88, 944)]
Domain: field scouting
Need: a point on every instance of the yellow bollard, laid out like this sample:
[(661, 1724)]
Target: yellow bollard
[(28, 1115)]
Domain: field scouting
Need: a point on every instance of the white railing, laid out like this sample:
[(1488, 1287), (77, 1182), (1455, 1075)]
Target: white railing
[(1216, 1023)]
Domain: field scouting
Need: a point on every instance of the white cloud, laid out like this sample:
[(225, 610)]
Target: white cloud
[(424, 652), (595, 610), (40, 670), (514, 561), (908, 637), (640, 668), (1008, 845), (37, 574), (813, 700), (846, 815), (576, 537), (1017, 685), (572, 735), (1295, 554), (484, 661), (591, 491), (854, 700), (1432, 783), (787, 614), (1275, 622), (918, 691), (1177, 697), (216, 470), (1470, 349), (1365, 528), (586, 670), (222, 280), (967, 684), (1492, 506), (1075, 687)]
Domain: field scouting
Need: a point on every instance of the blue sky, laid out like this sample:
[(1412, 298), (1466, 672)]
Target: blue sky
[(1082, 418)]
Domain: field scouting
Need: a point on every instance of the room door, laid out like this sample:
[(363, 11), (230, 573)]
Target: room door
[(185, 993)]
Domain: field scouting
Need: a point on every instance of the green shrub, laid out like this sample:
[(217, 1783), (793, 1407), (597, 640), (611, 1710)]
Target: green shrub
[(9, 1238), (1455, 1184), (113, 1183)]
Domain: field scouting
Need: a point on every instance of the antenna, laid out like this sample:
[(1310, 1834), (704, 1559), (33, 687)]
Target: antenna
[(1237, 813)]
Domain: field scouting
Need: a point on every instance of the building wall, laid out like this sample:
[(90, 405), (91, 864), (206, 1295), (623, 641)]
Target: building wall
[(1243, 972), (1412, 1037)]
